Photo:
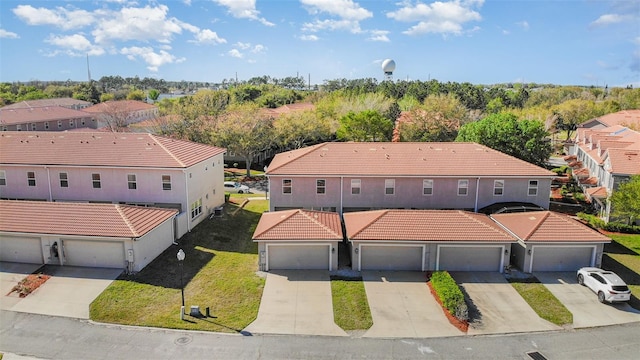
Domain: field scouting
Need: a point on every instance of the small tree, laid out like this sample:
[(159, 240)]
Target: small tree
[(368, 125), (625, 201)]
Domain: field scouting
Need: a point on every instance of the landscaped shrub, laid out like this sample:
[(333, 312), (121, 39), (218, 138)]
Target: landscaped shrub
[(450, 294), (622, 228), (593, 221)]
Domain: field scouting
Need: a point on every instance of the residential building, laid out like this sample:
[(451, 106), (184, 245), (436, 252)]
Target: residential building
[(68, 103), (126, 168), (45, 118), (345, 177), (119, 114)]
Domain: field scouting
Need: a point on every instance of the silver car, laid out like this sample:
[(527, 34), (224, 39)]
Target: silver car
[(609, 286), (234, 187)]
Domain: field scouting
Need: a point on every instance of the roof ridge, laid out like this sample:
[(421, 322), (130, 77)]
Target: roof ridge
[(126, 220), (292, 212), (474, 218), (307, 213), (382, 213), (309, 150), (535, 228), (167, 150)]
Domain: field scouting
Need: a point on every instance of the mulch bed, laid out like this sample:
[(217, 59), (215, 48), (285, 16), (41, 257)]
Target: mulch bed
[(459, 324), (27, 285)]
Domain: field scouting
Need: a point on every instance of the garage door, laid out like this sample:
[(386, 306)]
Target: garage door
[(298, 257), (470, 258), (21, 249), (107, 254), (391, 257), (554, 258)]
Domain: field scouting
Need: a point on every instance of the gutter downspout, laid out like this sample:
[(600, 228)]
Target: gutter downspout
[(186, 189), (49, 183), (341, 193), (475, 207)]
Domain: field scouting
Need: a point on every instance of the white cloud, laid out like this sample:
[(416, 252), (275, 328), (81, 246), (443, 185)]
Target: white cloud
[(438, 17), (242, 45), (243, 9), (4, 34), (346, 25), (59, 17), (309, 38), (153, 59), (187, 2), (74, 45), (609, 19), (207, 36), (379, 35), (235, 53), (523, 24), (258, 49), (143, 24), (346, 15)]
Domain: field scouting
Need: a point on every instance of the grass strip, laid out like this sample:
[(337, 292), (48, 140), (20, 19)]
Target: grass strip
[(542, 301), (350, 305)]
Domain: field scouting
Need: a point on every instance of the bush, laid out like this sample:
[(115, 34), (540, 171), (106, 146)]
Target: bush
[(450, 294), (622, 228), (593, 221)]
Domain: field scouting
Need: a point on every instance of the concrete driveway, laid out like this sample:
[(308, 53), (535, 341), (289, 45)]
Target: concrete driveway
[(68, 292), (10, 276), (296, 302), (583, 303), (499, 306), (402, 306)]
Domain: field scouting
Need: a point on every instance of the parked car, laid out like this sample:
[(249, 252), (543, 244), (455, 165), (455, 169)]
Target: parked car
[(234, 187), (609, 286)]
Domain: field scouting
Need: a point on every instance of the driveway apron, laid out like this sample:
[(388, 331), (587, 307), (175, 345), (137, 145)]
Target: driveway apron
[(296, 302), (68, 292), (500, 309), (10, 276), (583, 303), (402, 306)]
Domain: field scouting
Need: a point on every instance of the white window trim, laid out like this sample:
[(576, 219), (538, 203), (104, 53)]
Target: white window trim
[(390, 184), (323, 187), (466, 187), (31, 178), (196, 208), (424, 186), (66, 179), (356, 184), (496, 187), (164, 188), (529, 188), (3, 177), (134, 182), (94, 181), (290, 186)]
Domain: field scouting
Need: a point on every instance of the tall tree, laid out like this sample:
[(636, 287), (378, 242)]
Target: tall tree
[(525, 139), (625, 200), (368, 125), (438, 119), (297, 129), (572, 113)]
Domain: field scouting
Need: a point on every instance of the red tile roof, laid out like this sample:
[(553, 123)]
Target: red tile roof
[(48, 113), (101, 149), (64, 102), (298, 225), (628, 118), (423, 225), (121, 105), (548, 226), (597, 192), (62, 218), (624, 161), (401, 159)]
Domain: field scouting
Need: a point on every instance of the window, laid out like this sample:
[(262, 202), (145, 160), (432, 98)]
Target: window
[(33, 126), (59, 124), (64, 179), (131, 181), (533, 187), (31, 178), (96, 181), (427, 187), (355, 186), (389, 186), (286, 186), (463, 187), (46, 125), (3, 178), (71, 122), (498, 187), (320, 186), (196, 208), (166, 182), (19, 127)]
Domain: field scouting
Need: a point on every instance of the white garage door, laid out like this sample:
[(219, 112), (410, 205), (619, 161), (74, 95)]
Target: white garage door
[(21, 249), (555, 258), (107, 254), (470, 258), (374, 257), (298, 257)]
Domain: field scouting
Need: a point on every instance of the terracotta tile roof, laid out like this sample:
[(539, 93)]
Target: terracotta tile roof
[(64, 102), (597, 192), (569, 157), (48, 113), (423, 225), (589, 181), (101, 149), (121, 105), (582, 172), (401, 159), (62, 218), (624, 161), (548, 226), (628, 118), (298, 225)]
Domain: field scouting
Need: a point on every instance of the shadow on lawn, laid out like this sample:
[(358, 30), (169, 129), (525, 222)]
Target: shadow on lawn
[(630, 277), (616, 248), (229, 233)]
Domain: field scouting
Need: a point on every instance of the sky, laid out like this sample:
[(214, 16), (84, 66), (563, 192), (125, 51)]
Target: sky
[(570, 42)]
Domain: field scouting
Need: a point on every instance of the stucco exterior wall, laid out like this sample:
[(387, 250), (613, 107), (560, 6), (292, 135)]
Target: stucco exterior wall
[(152, 244)]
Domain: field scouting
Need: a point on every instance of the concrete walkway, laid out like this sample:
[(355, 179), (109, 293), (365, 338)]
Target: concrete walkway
[(500, 307), (402, 306), (296, 302), (583, 303), (68, 292)]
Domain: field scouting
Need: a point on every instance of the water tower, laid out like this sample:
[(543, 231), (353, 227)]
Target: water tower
[(388, 66)]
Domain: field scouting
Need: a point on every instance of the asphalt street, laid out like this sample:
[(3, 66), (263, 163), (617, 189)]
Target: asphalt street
[(46, 337)]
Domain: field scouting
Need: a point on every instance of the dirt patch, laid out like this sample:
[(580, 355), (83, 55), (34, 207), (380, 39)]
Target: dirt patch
[(27, 285), (459, 324)]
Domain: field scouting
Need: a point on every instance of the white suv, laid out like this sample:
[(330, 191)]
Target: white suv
[(234, 187), (606, 284)]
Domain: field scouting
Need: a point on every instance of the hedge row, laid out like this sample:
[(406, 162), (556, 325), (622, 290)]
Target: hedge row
[(450, 294), (597, 223)]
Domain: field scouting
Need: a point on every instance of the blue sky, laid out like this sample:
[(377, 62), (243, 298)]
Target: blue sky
[(571, 42)]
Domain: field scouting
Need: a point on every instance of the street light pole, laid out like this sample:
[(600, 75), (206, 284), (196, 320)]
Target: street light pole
[(181, 257)]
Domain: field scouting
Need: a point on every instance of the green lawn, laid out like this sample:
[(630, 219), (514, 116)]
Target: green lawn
[(350, 305), (542, 301), (622, 256), (219, 273)]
